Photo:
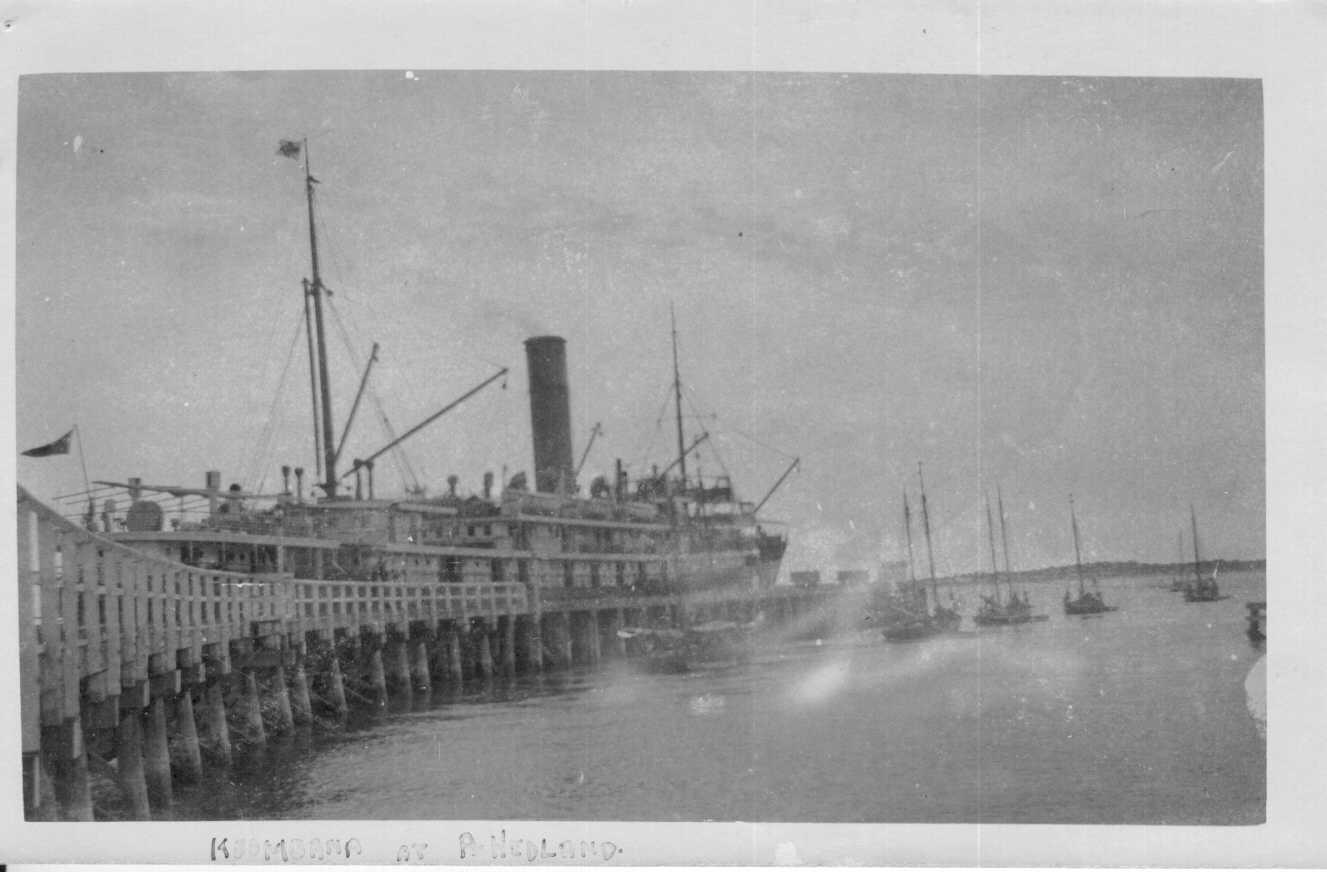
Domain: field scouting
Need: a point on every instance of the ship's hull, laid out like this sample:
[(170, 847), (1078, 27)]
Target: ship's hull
[(1005, 620), (1088, 604), (917, 631)]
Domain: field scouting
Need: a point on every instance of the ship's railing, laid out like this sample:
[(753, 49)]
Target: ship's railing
[(330, 604), (556, 594), (256, 523)]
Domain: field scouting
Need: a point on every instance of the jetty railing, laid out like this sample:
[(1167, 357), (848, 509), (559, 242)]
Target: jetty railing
[(98, 617)]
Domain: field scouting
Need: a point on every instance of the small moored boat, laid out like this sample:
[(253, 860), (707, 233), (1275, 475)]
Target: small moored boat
[(712, 645), (1088, 602), (1014, 608), (911, 618), (1201, 590)]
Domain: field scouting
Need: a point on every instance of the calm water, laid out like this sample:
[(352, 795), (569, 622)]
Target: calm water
[(1139, 716)]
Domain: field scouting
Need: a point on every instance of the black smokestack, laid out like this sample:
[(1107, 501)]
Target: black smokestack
[(550, 413)]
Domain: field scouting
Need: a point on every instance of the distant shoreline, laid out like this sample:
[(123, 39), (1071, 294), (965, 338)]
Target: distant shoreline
[(1115, 569), (1103, 569)]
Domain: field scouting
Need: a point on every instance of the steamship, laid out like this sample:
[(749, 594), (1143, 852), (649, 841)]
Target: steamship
[(537, 538)]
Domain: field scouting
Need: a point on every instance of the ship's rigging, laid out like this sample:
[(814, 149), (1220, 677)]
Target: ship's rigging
[(315, 291), (686, 484)]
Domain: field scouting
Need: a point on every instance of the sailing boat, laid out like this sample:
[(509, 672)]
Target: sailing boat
[(1014, 609), (1088, 602), (1179, 583), (906, 615), (1201, 590), (1004, 541), (909, 617), (946, 618), (912, 618)]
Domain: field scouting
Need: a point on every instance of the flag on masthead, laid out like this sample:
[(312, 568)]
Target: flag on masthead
[(288, 148), (59, 446)]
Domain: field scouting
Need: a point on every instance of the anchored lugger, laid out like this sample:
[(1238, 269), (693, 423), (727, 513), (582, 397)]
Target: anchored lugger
[(1088, 602), (908, 617), (1201, 590), (1015, 608)]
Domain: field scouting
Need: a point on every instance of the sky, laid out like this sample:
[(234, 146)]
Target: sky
[(1050, 285)]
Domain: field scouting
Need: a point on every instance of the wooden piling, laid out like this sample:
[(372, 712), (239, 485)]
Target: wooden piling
[(336, 689), (576, 629), (377, 678), (617, 646), (72, 788), (301, 707), (40, 802), (455, 658), (285, 717), (401, 669), (551, 642), (420, 672), (437, 654), (508, 626), (218, 731), (576, 639), (565, 655), (593, 649), (129, 763), (399, 657), (534, 644), (156, 756), (188, 761), (484, 651), (254, 731)]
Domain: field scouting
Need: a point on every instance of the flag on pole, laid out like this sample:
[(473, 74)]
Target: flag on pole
[(288, 148), (59, 446)]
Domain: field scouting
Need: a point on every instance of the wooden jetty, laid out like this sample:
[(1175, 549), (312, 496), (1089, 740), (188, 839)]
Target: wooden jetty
[(167, 668)]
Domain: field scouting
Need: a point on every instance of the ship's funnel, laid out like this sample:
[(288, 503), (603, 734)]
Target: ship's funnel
[(550, 413)]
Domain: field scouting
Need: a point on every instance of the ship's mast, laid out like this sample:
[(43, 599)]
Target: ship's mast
[(926, 526), (677, 393), (1078, 555), (315, 290), (313, 384)]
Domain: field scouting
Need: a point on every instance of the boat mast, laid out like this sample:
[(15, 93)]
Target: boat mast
[(1197, 570), (315, 290), (1078, 557), (907, 526), (677, 393), (990, 537), (926, 526), (1004, 538)]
